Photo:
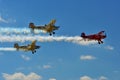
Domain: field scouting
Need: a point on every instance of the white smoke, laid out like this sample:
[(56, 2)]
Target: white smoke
[(19, 34), (9, 31), (23, 38), (7, 49)]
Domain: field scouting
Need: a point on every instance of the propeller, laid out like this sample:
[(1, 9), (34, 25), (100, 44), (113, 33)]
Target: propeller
[(105, 35)]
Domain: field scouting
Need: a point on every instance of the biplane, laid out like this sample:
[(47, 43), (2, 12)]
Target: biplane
[(99, 36), (30, 47), (49, 28)]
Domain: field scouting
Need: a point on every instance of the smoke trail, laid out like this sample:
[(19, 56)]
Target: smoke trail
[(23, 38), (18, 31), (7, 49)]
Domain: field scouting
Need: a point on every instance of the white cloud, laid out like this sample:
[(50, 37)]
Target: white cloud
[(109, 48), (52, 79), (87, 57), (85, 78), (103, 78), (8, 20), (21, 76), (3, 20), (89, 78), (46, 66), (25, 57)]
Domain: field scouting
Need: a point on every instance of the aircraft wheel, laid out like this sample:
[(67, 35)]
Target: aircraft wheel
[(98, 42), (50, 34), (32, 52), (53, 32), (101, 41)]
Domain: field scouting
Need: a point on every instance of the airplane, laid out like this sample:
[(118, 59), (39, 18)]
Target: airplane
[(49, 28), (30, 47), (100, 35)]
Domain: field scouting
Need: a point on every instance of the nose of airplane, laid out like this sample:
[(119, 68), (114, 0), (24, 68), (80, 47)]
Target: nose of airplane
[(105, 35), (37, 47)]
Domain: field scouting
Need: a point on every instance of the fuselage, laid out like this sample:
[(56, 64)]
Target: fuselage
[(95, 37)]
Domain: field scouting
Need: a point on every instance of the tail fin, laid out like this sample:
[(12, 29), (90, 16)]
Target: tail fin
[(83, 34), (16, 46), (32, 26)]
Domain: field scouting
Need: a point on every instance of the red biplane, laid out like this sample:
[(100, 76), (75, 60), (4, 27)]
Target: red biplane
[(99, 36)]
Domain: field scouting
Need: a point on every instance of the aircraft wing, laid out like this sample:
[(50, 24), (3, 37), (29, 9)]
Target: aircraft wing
[(101, 32), (52, 22), (33, 43)]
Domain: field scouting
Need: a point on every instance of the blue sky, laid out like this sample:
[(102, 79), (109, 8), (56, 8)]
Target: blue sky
[(63, 60)]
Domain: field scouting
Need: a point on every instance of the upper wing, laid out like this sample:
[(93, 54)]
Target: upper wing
[(101, 32), (33, 43), (52, 22), (31, 46)]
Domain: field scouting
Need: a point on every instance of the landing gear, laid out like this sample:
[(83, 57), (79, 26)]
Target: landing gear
[(99, 42), (53, 32), (33, 51), (50, 34), (102, 42)]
